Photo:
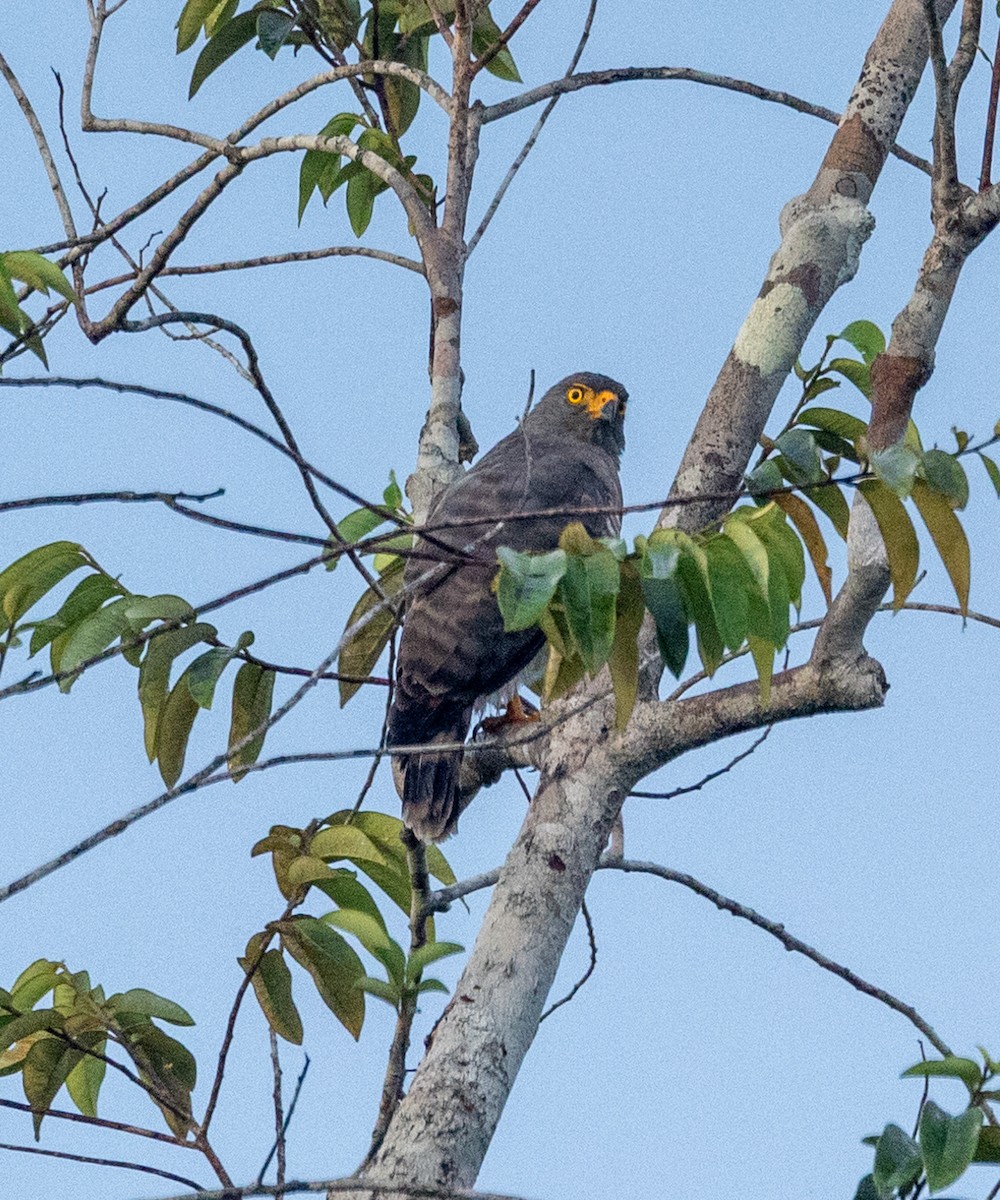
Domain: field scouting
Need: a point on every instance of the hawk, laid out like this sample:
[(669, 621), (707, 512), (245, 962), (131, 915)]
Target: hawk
[(454, 652)]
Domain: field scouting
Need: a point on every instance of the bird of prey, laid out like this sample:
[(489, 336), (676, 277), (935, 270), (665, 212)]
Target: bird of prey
[(454, 652)]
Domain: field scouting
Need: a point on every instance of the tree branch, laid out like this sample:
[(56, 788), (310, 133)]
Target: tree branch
[(104, 1162), (777, 930)]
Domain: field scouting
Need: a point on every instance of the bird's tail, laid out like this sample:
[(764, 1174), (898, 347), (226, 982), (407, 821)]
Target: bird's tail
[(432, 802)]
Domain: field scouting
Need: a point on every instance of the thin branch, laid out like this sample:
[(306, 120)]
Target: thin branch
[(989, 136), (965, 51), (103, 1123), (288, 1117), (945, 187), (272, 260), (44, 150), (712, 775), (279, 1112), (105, 1162), (168, 498), (135, 389), (586, 975), (351, 1185), (532, 137), (523, 13), (574, 83), (790, 942), (395, 1071)]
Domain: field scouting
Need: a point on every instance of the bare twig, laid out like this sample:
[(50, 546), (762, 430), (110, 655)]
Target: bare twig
[(696, 787), (288, 1117), (522, 14), (587, 973), (279, 1112), (105, 1162), (989, 136), (103, 1123), (574, 83), (790, 942), (532, 137), (44, 150), (169, 498), (965, 51), (945, 187)]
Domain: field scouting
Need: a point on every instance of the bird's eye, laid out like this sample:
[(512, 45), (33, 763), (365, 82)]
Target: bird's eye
[(575, 395)]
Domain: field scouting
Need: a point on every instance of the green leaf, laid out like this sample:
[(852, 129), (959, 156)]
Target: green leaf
[(897, 1161), (800, 461), (194, 15), (27, 579), (830, 501), (335, 968), (253, 692), (526, 585), (858, 373), (485, 35), (173, 728), (84, 1081), (832, 420), (730, 583), (897, 467), (34, 982), (88, 595), (362, 651), (18, 1028), (361, 192), (692, 571), (961, 437), (945, 474), (46, 1066), (143, 609), (988, 1149), (777, 535), (223, 43), (169, 1065), (765, 477), (321, 169), (421, 958), (383, 990), (431, 985), (346, 841), (372, 935), (149, 1004), (154, 673), (272, 985), (402, 96), (899, 536), (992, 470), (801, 516), (865, 337), (867, 1189), (762, 650), (393, 494), (947, 1143), (273, 29), (344, 889), (949, 538), (662, 594), (204, 672), (589, 591), (952, 1067), (91, 636), (623, 661), (37, 272)]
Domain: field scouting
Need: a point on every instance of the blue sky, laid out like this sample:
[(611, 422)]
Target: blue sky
[(701, 1058)]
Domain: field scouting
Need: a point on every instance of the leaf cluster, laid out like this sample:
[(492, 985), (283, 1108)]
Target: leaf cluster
[(65, 1043), (944, 1145), (40, 275), (152, 633), (307, 860), (388, 31)]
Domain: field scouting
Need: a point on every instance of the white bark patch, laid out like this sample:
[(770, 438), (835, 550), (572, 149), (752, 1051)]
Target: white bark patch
[(771, 335), (865, 547)]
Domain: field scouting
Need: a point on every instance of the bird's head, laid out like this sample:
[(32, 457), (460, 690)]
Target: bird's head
[(586, 406)]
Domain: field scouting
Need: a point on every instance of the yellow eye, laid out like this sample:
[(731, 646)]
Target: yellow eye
[(575, 395)]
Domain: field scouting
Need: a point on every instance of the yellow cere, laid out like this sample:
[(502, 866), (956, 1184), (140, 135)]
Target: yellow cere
[(594, 402)]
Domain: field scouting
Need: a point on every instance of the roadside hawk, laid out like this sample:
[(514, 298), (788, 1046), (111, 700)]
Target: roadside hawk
[(454, 652)]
